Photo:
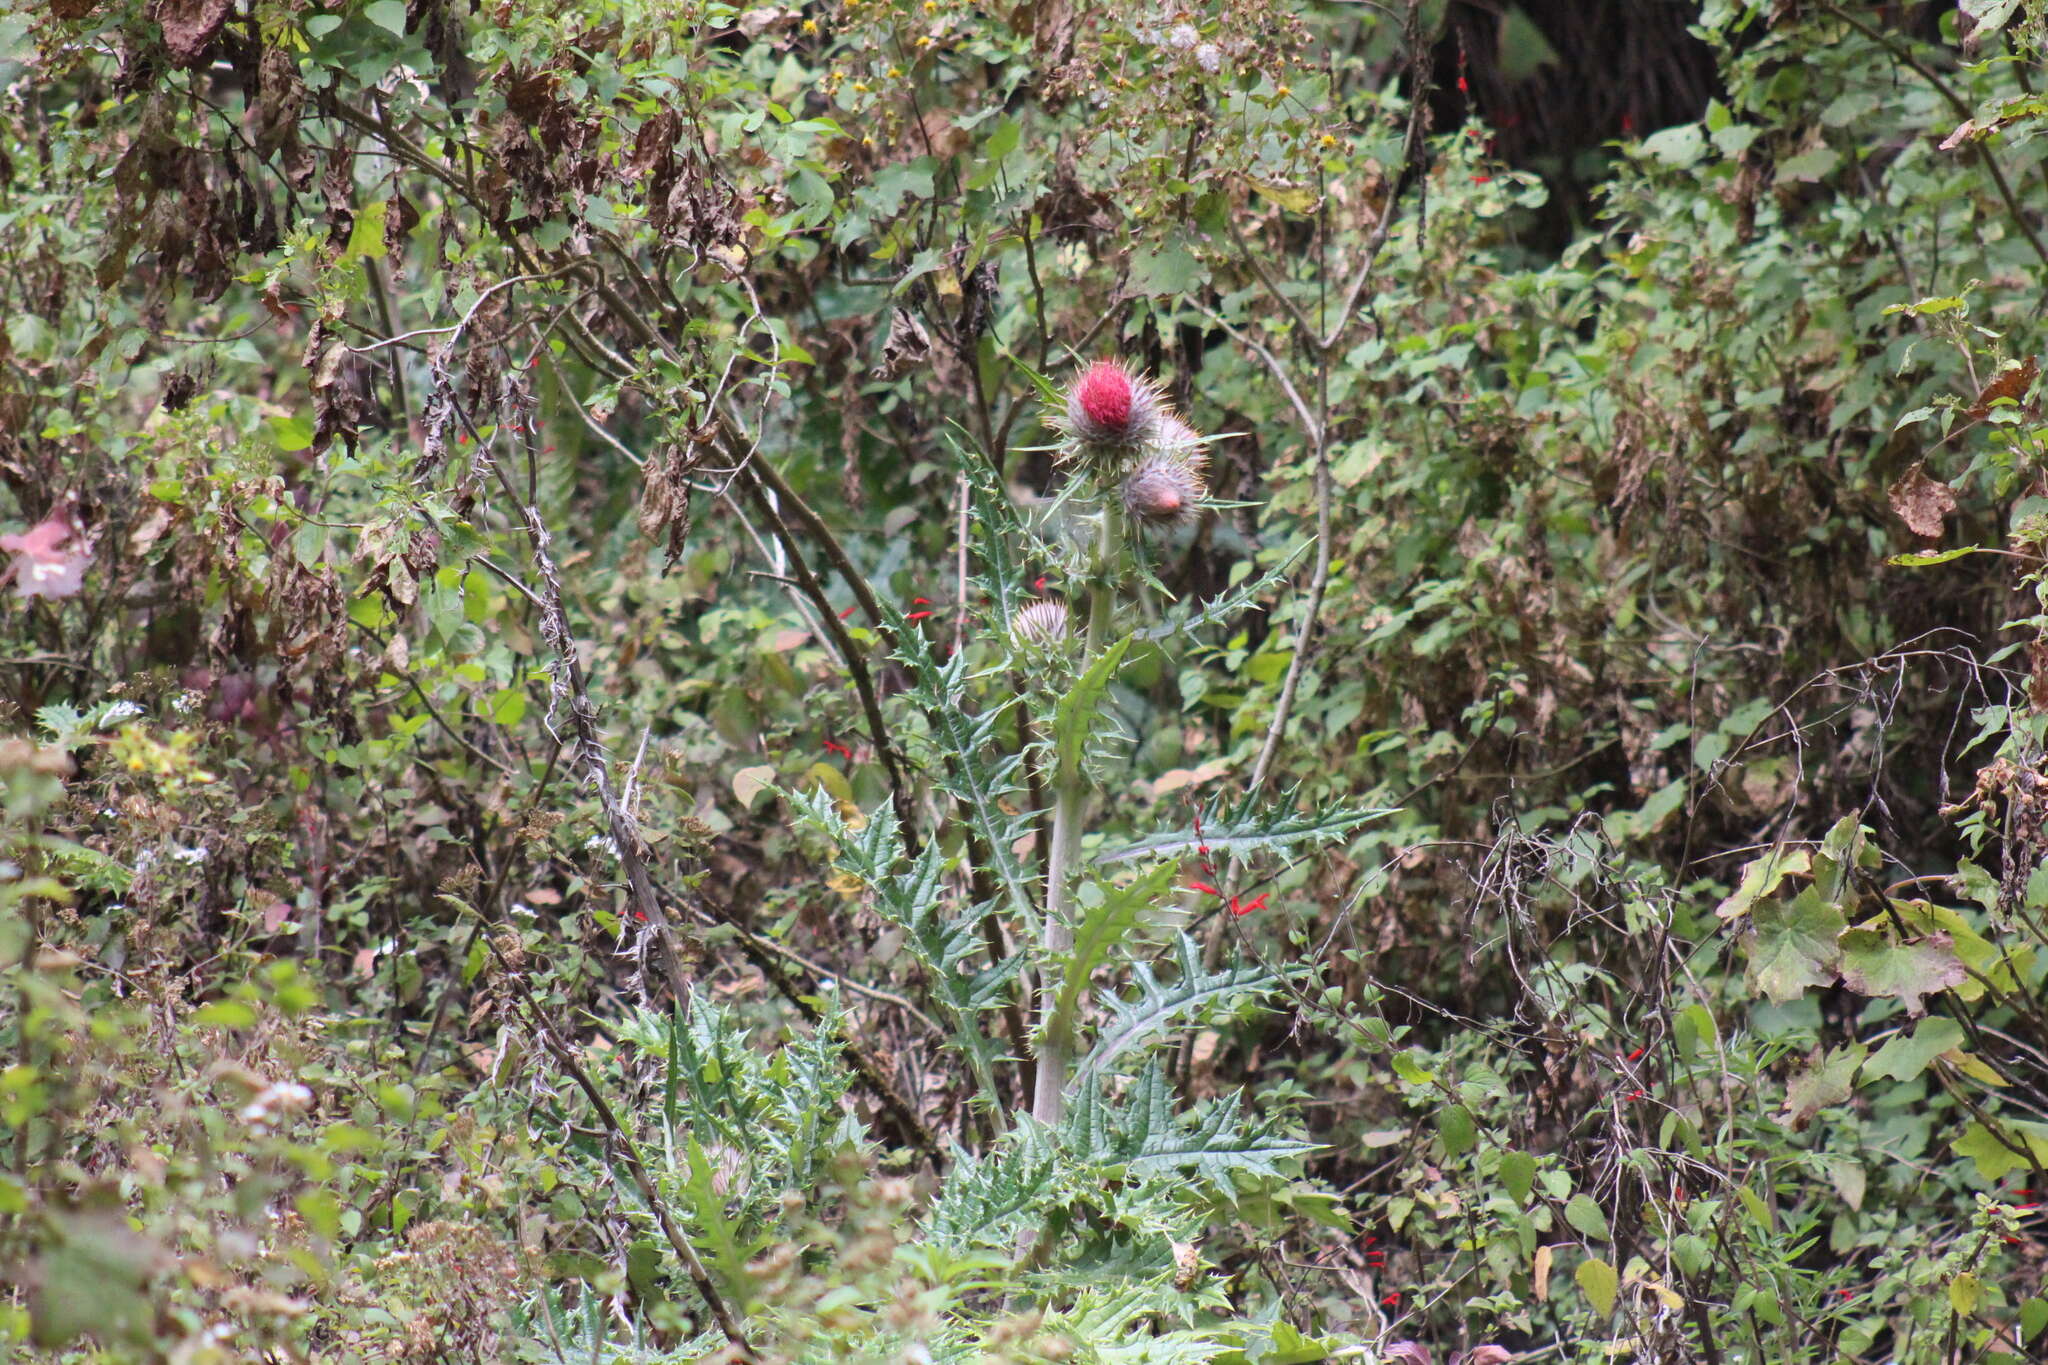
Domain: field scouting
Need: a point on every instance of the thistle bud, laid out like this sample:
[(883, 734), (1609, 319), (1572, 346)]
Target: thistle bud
[(1041, 623), (1164, 490), (1110, 415)]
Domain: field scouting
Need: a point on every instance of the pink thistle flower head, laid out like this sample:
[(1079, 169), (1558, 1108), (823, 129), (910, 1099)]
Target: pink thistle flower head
[(1110, 414)]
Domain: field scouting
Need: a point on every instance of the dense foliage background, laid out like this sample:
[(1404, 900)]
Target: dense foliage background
[(534, 827)]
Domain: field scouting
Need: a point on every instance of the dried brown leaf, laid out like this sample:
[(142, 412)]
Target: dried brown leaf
[(1922, 502), (190, 26), (2010, 383)]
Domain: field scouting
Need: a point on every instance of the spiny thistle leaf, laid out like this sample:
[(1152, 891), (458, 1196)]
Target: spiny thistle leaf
[(1244, 830), (1114, 917), (1156, 1007)]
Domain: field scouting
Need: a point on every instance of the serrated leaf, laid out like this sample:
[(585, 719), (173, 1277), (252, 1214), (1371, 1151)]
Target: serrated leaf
[(1116, 917), (1278, 826), (1074, 719), (1872, 964), (1154, 1007), (1796, 945)]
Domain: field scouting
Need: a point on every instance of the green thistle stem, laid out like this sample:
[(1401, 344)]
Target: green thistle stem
[(1070, 802)]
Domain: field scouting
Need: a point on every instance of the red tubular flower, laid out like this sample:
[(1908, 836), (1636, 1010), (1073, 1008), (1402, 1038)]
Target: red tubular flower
[(1257, 902), (834, 746), (1204, 888)]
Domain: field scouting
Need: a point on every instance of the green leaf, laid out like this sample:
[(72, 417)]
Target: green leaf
[(1455, 1126), (1994, 1152), (1903, 1057), (366, 238), (1809, 166), (1154, 1006), (388, 15), (1115, 917), (1761, 877), (1923, 559), (1600, 1284), (1585, 1215), (1872, 964), (1962, 1294), (2033, 1319), (1795, 945), (1280, 826), (1518, 1175), (1074, 719), (1829, 1083), (1170, 272), (1009, 132), (235, 1014)]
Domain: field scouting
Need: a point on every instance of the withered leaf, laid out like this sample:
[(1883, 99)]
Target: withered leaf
[(190, 26), (1922, 502), (906, 347), (2010, 383)]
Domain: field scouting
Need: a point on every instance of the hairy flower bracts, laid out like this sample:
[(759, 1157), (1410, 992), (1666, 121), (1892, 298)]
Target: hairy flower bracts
[(1041, 623), (1166, 487), (1110, 417)]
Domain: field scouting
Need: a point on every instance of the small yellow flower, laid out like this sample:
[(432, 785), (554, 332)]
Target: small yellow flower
[(1329, 139), (1283, 92), (924, 40), (895, 73), (810, 26), (860, 87)]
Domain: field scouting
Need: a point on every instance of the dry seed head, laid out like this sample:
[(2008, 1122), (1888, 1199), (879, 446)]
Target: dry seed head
[(1041, 623)]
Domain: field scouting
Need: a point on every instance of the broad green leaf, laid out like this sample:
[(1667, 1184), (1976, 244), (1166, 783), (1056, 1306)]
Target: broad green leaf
[(1761, 876), (1872, 964), (2016, 1146), (1795, 945), (1518, 1175), (366, 238), (1169, 272), (1962, 1294), (1455, 1126), (1585, 1215), (1600, 1284), (1905, 1056), (388, 15), (1829, 1083)]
